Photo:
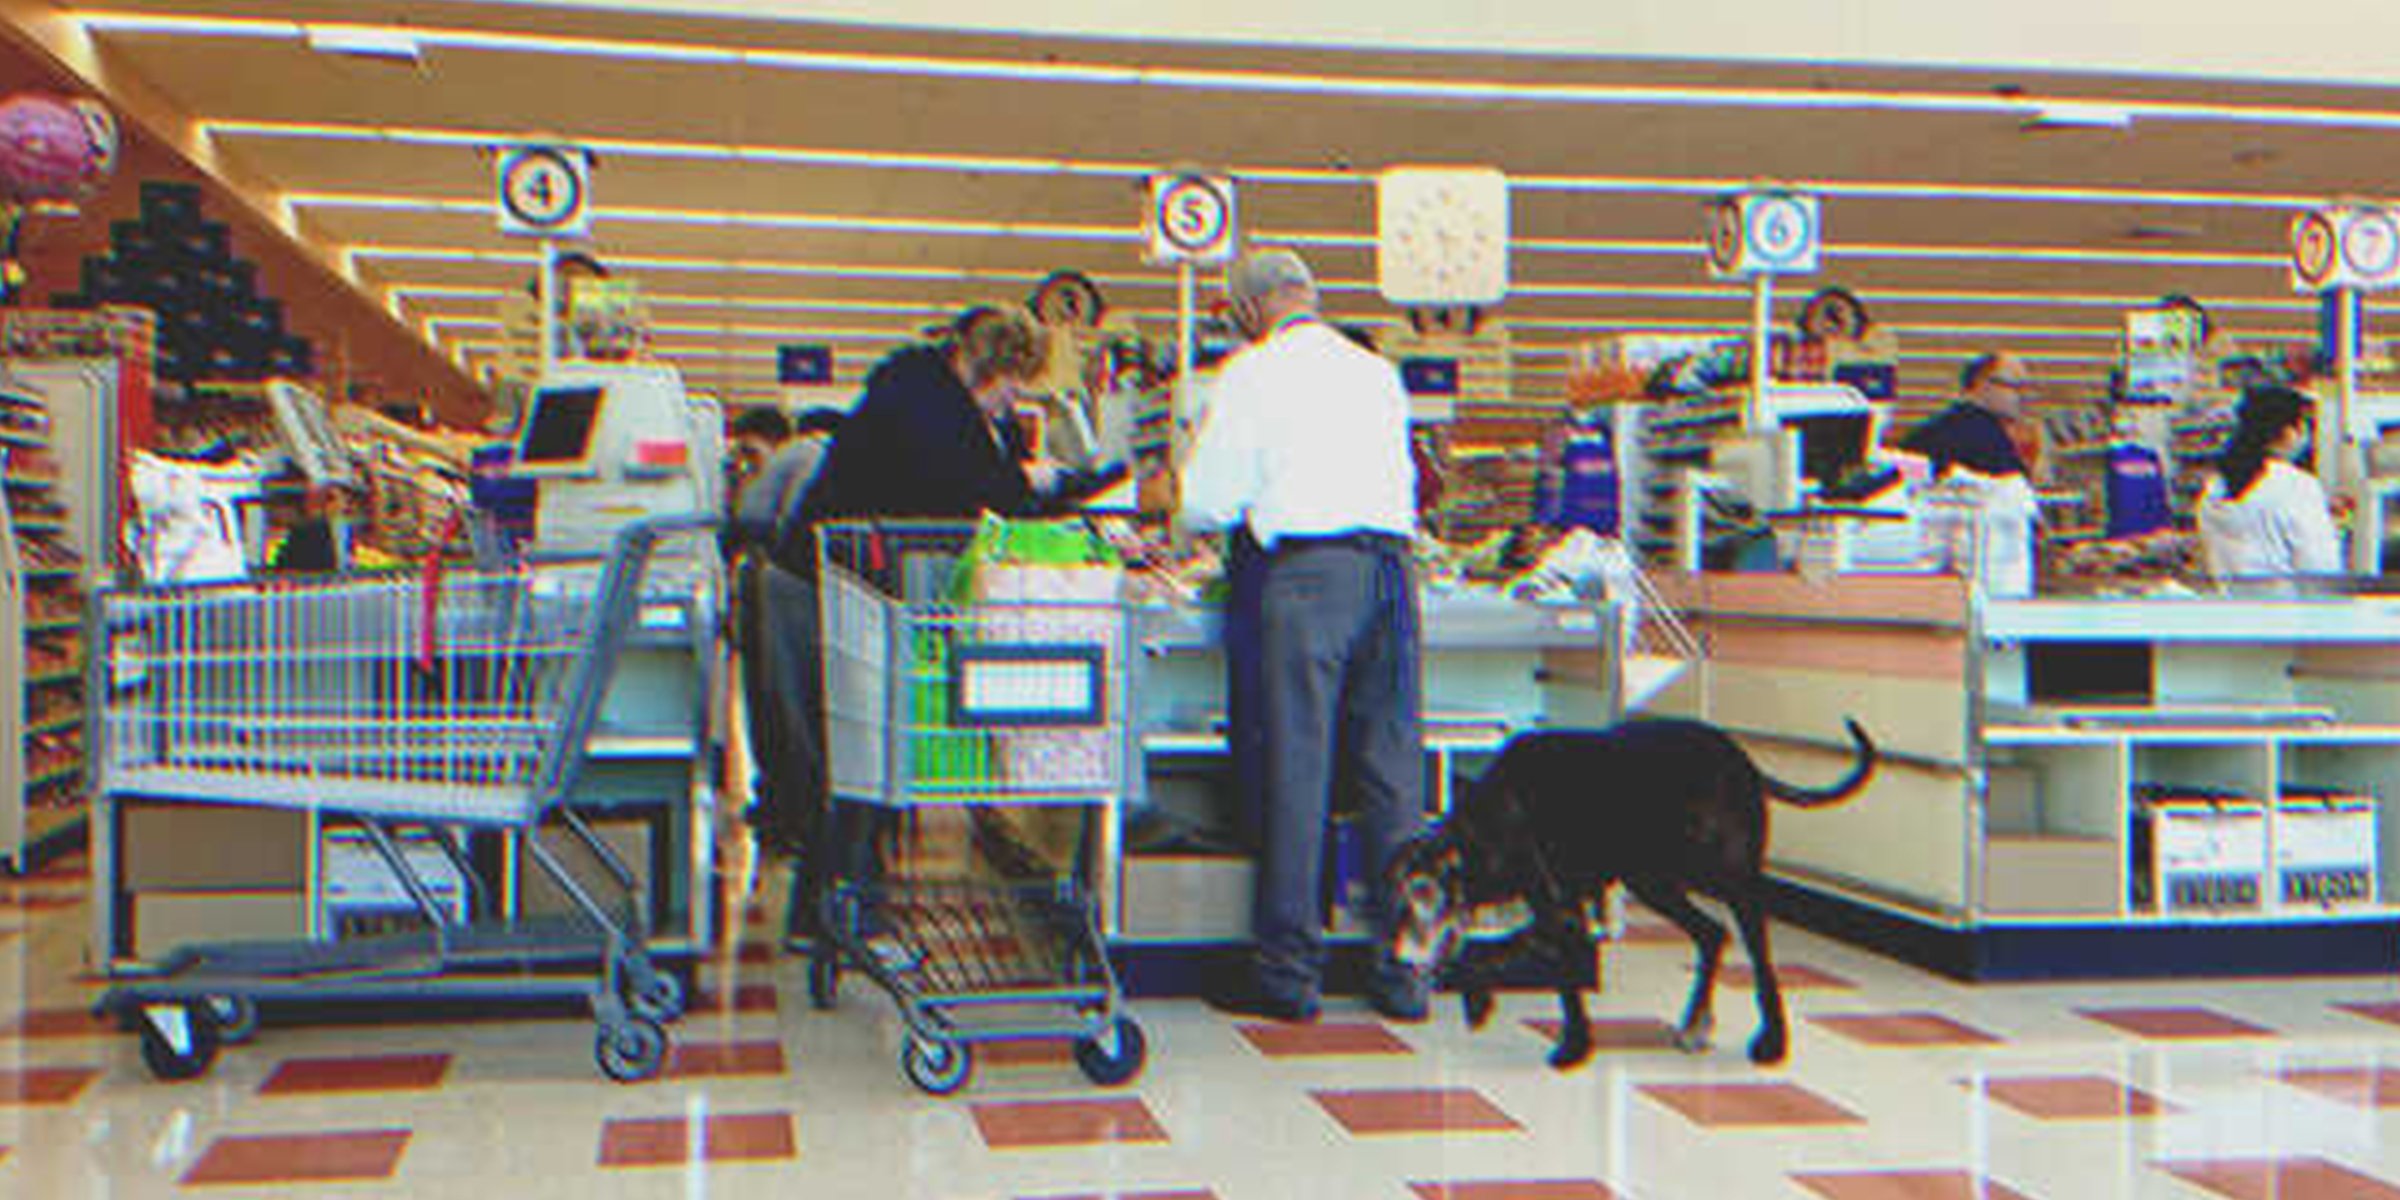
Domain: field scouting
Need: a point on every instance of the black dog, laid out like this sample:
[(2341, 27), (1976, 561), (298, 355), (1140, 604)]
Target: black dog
[(1667, 806)]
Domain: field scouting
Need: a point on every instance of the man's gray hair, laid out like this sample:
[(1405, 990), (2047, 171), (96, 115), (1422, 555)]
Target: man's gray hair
[(1262, 273)]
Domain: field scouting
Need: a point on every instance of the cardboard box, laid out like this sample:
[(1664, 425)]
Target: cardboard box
[(2207, 856), (2325, 853), (166, 921), (2026, 875), (1193, 898), (221, 847)]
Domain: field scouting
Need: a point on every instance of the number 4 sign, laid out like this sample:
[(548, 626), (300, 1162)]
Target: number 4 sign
[(545, 191), (1190, 219)]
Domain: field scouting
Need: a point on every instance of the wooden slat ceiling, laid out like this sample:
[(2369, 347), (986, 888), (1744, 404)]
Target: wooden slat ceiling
[(738, 249)]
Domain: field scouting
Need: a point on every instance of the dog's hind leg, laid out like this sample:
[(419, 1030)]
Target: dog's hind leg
[(1708, 941), (1773, 1040)]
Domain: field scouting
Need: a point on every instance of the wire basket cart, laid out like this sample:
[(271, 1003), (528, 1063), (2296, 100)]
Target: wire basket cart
[(414, 709), (977, 709)]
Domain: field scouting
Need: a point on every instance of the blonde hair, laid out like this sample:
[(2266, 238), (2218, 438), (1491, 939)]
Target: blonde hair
[(997, 341)]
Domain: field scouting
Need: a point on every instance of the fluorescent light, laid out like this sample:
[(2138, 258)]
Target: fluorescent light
[(382, 42), (1273, 82)]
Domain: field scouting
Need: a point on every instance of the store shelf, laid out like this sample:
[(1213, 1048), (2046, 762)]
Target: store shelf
[(53, 777), (54, 679), (62, 625), (63, 724), (30, 483), (51, 819), (16, 437)]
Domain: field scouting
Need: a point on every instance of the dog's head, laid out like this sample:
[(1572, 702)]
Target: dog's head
[(1429, 897)]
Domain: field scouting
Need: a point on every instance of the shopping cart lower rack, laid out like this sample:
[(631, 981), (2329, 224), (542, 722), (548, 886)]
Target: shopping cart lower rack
[(412, 708), (975, 706)]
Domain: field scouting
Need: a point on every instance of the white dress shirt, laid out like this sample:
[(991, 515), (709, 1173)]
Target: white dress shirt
[(2279, 528), (1306, 434)]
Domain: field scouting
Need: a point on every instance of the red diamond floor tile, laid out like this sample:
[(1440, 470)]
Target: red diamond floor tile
[(1905, 1185), (1034, 1052), (1749, 1105), (44, 1087), (723, 1137), (2279, 1179), (1046, 1124), (1652, 933), (299, 1158), (2175, 1024), (1790, 977), (2359, 1087), (1326, 1039), (2072, 1097), (692, 1060), (1615, 1033), (746, 998), (2386, 1011), (1904, 1029), (1514, 1189), (66, 1022), (1382, 1111), (375, 1073)]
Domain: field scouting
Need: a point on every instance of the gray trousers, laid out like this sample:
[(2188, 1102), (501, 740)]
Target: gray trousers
[(1342, 701)]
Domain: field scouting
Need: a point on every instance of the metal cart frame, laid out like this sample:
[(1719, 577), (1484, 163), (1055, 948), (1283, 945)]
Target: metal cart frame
[(942, 701), (397, 704)]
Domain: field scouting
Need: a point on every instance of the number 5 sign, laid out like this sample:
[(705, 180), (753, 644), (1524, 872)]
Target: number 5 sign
[(1190, 219), (545, 191)]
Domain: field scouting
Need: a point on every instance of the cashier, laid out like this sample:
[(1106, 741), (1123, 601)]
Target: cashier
[(2261, 516), (1977, 432)]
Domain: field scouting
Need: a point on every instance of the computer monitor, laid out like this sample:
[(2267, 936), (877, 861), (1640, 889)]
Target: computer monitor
[(1832, 444), (558, 431)]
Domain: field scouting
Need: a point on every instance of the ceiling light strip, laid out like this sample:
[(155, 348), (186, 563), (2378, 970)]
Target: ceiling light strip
[(1254, 82)]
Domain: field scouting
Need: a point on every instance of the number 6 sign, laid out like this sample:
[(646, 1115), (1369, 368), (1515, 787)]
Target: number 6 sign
[(1190, 219)]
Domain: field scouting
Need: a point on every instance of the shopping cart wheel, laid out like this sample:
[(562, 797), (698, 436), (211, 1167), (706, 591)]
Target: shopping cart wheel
[(654, 994), (824, 975), (630, 1049), (937, 1068), (237, 1018), (179, 1041), (1114, 1055)]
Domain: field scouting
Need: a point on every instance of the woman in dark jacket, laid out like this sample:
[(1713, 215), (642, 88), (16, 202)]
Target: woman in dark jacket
[(925, 441)]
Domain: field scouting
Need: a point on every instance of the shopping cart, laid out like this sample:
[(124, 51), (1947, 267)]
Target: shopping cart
[(957, 696), (409, 708)]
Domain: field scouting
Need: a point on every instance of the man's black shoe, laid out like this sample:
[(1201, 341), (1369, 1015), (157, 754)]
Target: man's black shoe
[(1247, 999)]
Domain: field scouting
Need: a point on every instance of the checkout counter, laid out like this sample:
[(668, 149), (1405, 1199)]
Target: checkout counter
[(1493, 666)]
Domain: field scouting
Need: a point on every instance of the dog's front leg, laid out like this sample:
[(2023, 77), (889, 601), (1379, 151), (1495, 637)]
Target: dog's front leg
[(1477, 973), (1568, 944)]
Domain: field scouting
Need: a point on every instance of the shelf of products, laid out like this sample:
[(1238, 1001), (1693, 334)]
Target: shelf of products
[(41, 672)]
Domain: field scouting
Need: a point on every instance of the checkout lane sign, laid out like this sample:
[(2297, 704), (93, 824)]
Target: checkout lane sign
[(545, 191), (1190, 219), (2346, 246)]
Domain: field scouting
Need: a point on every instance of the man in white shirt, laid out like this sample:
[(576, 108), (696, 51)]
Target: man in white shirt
[(1306, 442)]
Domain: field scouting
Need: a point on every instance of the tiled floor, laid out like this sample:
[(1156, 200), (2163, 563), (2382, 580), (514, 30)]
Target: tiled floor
[(1901, 1086)]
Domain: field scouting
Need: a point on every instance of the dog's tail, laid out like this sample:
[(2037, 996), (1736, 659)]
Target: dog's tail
[(1860, 772)]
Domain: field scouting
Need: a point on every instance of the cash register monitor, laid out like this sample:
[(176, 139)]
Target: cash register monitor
[(558, 431), (1832, 444)]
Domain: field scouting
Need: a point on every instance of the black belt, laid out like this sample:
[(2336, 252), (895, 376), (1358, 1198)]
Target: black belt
[(1360, 539)]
